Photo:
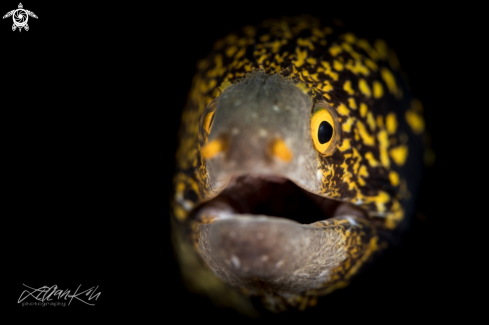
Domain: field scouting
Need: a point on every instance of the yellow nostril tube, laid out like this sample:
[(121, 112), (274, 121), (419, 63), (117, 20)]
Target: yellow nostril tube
[(279, 149), (212, 148)]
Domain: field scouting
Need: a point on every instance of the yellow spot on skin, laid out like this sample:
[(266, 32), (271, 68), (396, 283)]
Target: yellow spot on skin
[(363, 109), (389, 80), (278, 58), (381, 200), (262, 58), (357, 137), (335, 50), (391, 123), (248, 66), (366, 137), (350, 38), (363, 44), (294, 70), (231, 50), (337, 65), (180, 213), (240, 53), (347, 125), (264, 38), (378, 90), (371, 160), (279, 149), (313, 302), (380, 121), (362, 173), (303, 87), (317, 32), (243, 42), (345, 145), (347, 87), (371, 121), (301, 56), (224, 85), (343, 110), (352, 103), (327, 70), (347, 47), (212, 84), (212, 148), (399, 154), (218, 61), (194, 186), (394, 178), (371, 64), (415, 121), (180, 186), (396, 216), (362, 84), (356, 155), (327, 86), (357, 67), (383, 144), (305, 42), (311, 61)]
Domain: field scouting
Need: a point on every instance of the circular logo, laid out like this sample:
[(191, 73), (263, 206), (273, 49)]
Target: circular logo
[(20, 17)]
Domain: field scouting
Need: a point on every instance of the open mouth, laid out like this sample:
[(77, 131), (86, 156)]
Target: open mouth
[(266, 234), (272, 196)]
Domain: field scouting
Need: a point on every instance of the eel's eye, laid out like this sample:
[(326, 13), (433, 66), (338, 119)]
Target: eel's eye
[(324, 129), (206, 121)]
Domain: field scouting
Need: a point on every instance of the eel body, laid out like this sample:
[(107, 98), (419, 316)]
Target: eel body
[(299, 159)]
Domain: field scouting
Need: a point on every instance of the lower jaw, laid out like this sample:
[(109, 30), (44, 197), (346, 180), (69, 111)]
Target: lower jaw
[(268, 235)]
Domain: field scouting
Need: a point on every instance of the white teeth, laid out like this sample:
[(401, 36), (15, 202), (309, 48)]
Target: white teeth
[(319, 175), (352, 222), (235, 261)]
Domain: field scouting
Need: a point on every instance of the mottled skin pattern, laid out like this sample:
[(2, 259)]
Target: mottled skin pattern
[(376, 163)]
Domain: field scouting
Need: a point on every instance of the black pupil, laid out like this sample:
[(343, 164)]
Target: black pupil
[(325, 132)]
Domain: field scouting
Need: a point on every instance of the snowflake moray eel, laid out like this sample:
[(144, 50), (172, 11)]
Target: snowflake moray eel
[(299, 159)]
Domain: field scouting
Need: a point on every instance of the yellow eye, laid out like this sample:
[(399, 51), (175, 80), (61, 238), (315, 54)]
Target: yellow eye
[(324, 129)]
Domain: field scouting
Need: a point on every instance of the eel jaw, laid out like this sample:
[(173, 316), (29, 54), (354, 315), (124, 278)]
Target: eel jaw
[(267, 235)]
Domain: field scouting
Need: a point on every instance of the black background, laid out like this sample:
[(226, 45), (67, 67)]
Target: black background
[(91, 102)]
